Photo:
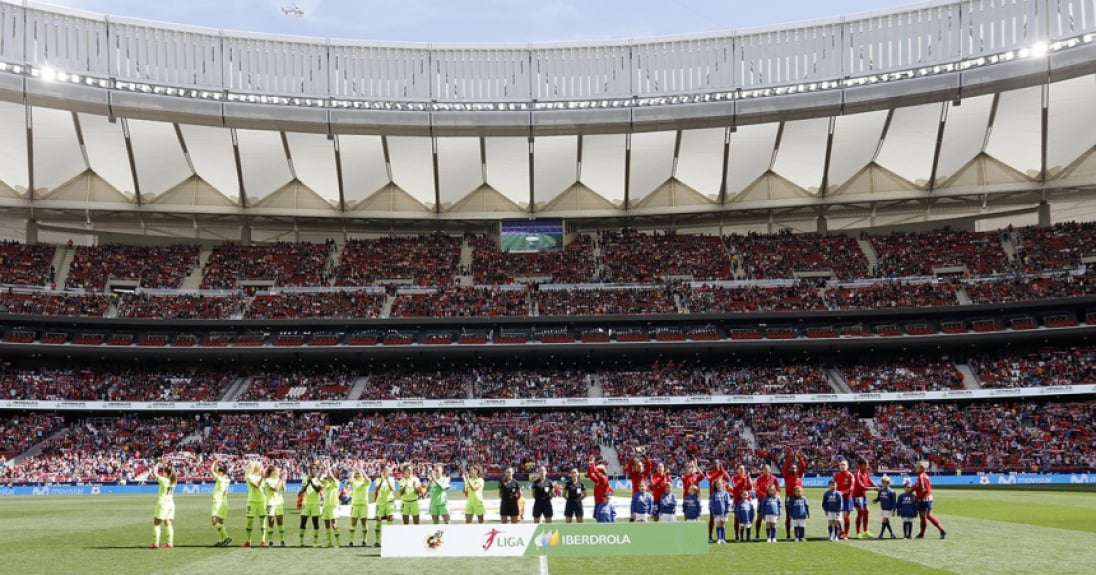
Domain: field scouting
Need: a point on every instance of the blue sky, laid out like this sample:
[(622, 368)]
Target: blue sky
[(482, 20)]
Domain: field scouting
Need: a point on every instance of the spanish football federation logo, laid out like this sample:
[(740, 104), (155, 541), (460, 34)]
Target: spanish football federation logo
[(548, 539), (434, 540)]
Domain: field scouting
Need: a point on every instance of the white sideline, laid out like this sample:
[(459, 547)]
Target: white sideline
[(543, 565)]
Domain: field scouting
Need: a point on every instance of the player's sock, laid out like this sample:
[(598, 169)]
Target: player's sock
[(935, 523), (336, 537), (788, 527), (882, 530), (847, 525), (377, 533), (222, 531), (721, 533), (249, 528), (263, 534), (711, 526), (867, 514), (353, 532), (301, 539), (156, 533), (281, 532), (170, 534)]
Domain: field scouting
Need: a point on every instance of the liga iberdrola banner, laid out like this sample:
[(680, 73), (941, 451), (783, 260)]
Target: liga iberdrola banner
[(550, 540)]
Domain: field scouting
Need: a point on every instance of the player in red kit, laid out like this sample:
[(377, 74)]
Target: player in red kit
[(845, 481), (715, 472), (794, 468), (863, 483), (659, 479), (741, 486), (922, 492), (639, 470), (692, 477), (761, 490), (596, 473)]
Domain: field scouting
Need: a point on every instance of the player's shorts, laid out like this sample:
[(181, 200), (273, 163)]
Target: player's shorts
[(885, 514), (275, 510), (165, 510), (310, 510), (846, 504), (542, 508), (860, 502), (924, 505), (256, 509), (440, 509), (474, 508), (833, 516), (330, 512), (641, 518), (573, 509), (385, 509), (508, 508), (720, 518), (359, 511), (220, 510), (771, 518), (907, 520), (799, 522), (410, 507), (667, 517)]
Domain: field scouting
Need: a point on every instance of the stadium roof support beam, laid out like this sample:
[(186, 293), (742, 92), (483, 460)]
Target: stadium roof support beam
[(882, 136), (288, 154), (826, 160), (29, 119), (627, 171), (239, 168), (437, 174), (339, 172), (80, 140), (530, 142), (132, 161), (1044, 119), (991, 121), (776, 145), (183, 147), (726, 164), (944, 107)]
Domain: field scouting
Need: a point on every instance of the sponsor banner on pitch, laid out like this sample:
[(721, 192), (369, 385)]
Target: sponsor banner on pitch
[(551, 540)]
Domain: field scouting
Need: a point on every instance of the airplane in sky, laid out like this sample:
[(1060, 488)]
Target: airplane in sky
[(293, 10)]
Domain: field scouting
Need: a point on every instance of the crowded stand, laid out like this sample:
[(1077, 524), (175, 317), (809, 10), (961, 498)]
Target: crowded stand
[(495, 382), (1001, 437), (298, 264), (417, 383), (1030, 288), (150, 266), (179, 306), (558, 440), (659, 378), (767, 380), (824, 434), (104, 449), (677, 436), (53, 304), (573, 264), (1050, 366), (782, 255), (918, 373), (348, 304), (604, 301), (800, 296), (892, 294), (462, 301), (52, 383), (630, 256), (1059, 246), (22, 431), (428, 260), (173, 384), (302, 383), (904, 254), (26, 264)]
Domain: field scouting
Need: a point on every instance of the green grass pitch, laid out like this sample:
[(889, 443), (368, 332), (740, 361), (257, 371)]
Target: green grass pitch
[(520, 243), (989, 531)]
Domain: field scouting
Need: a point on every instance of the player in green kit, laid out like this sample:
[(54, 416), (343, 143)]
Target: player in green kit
[(221, 482), (384, 494), (165, 505), (359, 504), (274, 489), (409, 494), (331, 507), (473, 490), (256, 501), (311, 487), (439, 497)]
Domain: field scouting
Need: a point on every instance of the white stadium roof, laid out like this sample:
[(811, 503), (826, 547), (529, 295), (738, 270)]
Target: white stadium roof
[(943, 110)]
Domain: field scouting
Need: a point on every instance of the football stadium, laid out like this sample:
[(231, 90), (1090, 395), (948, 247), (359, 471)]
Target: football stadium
[(811, 297)]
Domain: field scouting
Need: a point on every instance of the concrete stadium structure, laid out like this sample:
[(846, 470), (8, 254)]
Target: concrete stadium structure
[(980, 110)]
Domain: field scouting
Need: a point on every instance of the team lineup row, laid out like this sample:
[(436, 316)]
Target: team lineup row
[(750, 502)]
